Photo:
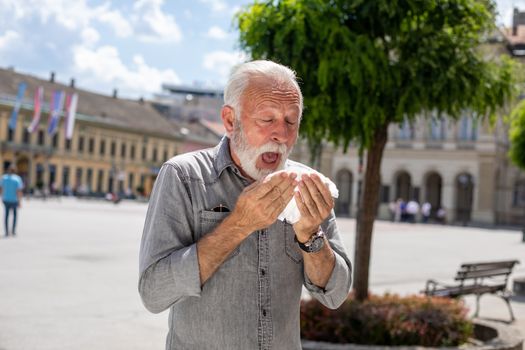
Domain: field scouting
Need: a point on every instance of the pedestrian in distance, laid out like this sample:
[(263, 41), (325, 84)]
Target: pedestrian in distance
[(403, 209), (11, 187), (392, 207), (398, 216), (426, 210), (441, 215), (213, 250), (412, 210)]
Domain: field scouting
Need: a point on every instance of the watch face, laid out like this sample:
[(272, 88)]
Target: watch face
[(317, 244)]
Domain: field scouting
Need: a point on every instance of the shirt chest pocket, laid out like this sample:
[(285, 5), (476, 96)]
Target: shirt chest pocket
[(209, 220), (292, 249)]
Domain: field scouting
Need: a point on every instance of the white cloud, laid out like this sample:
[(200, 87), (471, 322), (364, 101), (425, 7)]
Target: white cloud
[(12, 9), (9, 39), (216, 5), (221, 62), (216, 33), (103, 66), (72, 15), (90, 36), (155, 25), (120, 25), (146, 20)]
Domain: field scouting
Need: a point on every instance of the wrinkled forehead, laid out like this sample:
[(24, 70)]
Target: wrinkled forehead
[(272, 88)]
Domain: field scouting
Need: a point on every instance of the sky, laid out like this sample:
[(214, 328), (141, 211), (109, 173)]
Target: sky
[(132, 46)]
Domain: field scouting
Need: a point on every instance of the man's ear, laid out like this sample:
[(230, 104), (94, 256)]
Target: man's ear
[(228, 118)]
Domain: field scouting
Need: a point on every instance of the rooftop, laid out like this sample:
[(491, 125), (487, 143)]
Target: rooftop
[(136, 115)]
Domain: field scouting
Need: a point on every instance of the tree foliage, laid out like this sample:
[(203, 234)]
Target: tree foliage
[(517, 136), (364, 64)]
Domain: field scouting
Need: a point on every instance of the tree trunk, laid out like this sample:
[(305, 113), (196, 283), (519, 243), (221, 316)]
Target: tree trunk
[(368, 212)]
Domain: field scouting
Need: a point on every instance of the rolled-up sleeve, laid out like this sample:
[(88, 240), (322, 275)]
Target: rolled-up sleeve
[(340, 281), (168, 264)]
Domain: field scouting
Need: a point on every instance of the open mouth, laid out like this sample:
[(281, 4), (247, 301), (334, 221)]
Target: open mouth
[(270, 158)]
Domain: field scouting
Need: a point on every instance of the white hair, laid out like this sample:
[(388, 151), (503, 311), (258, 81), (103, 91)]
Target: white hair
[(241, 74)]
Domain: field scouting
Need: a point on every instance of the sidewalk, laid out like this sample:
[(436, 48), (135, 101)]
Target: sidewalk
[(69, 280)]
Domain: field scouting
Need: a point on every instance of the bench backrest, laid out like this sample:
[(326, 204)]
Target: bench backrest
[(493, 269)]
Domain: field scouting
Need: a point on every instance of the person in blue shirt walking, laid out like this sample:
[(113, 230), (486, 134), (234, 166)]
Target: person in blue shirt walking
[(11, 189)]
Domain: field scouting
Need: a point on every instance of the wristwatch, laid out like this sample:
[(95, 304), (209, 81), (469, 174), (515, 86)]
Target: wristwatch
[(314, 244)]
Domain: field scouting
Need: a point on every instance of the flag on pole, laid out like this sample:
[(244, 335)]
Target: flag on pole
[(71, 111), (57, 104), (18, 103), (37, 109)]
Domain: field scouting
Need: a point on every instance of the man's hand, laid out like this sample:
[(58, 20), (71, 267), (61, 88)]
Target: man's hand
[(315, 203), (260, 204)]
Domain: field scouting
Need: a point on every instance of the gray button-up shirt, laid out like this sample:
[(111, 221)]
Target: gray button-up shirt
[(252, 301)]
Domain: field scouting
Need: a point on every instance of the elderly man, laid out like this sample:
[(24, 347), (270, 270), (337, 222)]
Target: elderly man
[(213, 250)]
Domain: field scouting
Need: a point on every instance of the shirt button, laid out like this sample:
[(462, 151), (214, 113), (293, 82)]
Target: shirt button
[(263, 272), (264, 313)]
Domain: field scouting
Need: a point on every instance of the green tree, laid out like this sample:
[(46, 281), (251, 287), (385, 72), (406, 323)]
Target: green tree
[(517, 135), (367, 64)]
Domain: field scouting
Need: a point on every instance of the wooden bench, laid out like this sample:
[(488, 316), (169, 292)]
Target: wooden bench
[(477, 279)]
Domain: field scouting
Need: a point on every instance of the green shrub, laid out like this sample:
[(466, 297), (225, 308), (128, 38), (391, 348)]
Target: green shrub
[(388, 320)]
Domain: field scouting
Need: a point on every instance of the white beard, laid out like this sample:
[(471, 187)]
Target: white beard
[(248, 155)]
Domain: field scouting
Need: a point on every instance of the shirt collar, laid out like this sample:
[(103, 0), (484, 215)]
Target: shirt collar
[(223, 157)]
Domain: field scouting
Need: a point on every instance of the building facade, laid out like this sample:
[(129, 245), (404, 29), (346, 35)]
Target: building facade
[(118, 145)]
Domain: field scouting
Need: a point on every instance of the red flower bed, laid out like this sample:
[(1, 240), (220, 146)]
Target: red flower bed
[(388, 320)]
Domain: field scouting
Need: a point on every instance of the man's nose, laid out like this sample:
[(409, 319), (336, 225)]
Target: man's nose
[(280, 132)]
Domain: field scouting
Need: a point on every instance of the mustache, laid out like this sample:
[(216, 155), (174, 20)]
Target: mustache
[(273, 148)]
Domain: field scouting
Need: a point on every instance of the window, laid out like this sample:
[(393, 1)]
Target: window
[(143, 152), (65, 179), (81, 144), (406, 130), (100, 179), (518, 198), (468, 128), (155, 154), (113, 148), (55, 141), (41, 137), (130, 181), (27, 137), (91, 147), (68, 145), (437, 128), (132, 152), (89, 179), (10, 134), (78, 177), (123, 150), (165, 155), (102, 147)]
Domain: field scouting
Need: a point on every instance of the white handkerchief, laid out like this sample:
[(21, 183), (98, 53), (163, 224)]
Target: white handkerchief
[(291, 212)]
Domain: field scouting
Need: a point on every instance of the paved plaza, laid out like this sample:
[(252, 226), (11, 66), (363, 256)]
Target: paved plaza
[(69, 279)]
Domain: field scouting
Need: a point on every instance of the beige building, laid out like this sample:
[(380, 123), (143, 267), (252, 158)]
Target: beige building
[(118, 145)]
